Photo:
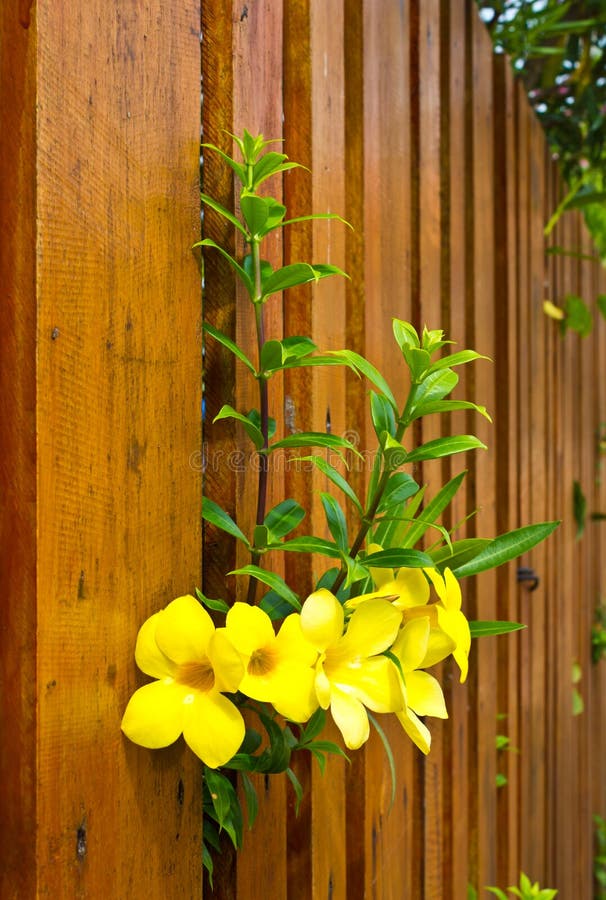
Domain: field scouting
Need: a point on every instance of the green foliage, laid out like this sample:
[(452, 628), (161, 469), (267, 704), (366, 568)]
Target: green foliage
[(598, 635), (559, 50), (526, 890), (366, 535), (599, 860)]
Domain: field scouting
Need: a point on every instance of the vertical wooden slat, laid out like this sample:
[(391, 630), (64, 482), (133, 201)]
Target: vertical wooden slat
[(393, 837), (505, 440), (454, 273), (18, 563), (481, 336), (118, 421)]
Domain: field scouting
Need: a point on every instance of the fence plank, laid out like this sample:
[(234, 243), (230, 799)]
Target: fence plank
[(118, 384)]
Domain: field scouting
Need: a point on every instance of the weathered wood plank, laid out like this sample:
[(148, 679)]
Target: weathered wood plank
[(118, 420)]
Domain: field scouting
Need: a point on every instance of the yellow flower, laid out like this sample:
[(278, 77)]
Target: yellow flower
[(193, 664), (350, 673), (450, 618), (277, 669), (422, 692), (406, 589)]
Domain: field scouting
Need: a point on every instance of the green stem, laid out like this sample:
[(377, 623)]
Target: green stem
[(373, 505), (264, 413)]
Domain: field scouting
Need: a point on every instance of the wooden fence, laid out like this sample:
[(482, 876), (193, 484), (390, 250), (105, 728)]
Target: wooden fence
[(423, 142)]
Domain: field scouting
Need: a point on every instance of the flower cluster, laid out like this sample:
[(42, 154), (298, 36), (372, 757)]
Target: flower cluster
[(368, 653)]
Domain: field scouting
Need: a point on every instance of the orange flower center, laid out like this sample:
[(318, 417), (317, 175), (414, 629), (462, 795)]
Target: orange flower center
[(199, 676), (262, 661)]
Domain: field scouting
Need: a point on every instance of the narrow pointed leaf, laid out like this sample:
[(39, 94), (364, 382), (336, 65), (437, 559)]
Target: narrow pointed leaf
[(209, 201), (315, 439), (394, 558), (275, 582), (506, 547), (487, 629), (369, 371), (443, 406), (335, 518), (228, 412), (400, 487), (309, 544), (230, 345), (446, 446), (238, 168), (456, 359), (214, 514), (458, 553), (333, 475), (433, 510), (435, 387), (284, 517), (382, 415), (246, 280)]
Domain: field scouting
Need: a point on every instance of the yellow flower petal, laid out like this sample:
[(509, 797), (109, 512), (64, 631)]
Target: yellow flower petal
[(184, 629), (292, 642), (424, 695), (226, 662), (456, 627), (148, 655), (411, 644), (415, 729), (350, 718), (380, 577), (322, 619), (371, 629), (411, 587), (375, 682), (294, 695), (248, 628), (154, 715), (212, 727), (438, 583), (553, 311), (453, 591), (322, 685), (439, 646)]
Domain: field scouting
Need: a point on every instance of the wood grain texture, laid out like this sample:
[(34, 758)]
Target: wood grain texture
[(18, 563), (118, 421)]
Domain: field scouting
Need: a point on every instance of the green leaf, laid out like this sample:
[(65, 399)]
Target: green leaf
[(298, 789), (313, 727), (433, 510), (390, 758), (418, 361), (506, 547), (270, 164), (445, 446), (400, 487), (261, 214), (315, 439), (223, 212), (275, 606), (578, 316), (284, 517), (458, 553), (335, 517), (333, 475), (382, 414), (394, 558), (272, 356), (585, 198), (309, 544), (314, 216), (490, 629), (435, 387), (601, 301), (369, 371), (273, 581), (238, 168), (228, 412), (579, 505), (216, 605), (295, 274), (250, 795), (500, 780), (230, 345), (394, 453), (244, 277), (443, 406), (221, 793), (405, 334), (296, 347), (214, 514)]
